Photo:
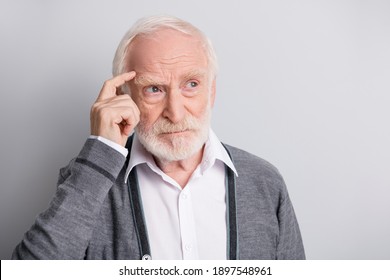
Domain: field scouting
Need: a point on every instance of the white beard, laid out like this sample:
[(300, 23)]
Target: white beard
[(173, 147)]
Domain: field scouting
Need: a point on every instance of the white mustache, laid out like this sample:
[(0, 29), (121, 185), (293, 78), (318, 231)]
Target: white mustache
[(162, 125)]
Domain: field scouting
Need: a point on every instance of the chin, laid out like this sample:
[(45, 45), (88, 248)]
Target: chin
[(173, 142), (175, 146)]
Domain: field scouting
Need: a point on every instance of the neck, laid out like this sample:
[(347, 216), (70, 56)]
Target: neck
[(180, 170)]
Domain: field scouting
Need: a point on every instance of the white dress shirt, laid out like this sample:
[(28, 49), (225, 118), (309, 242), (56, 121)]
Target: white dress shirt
[(188, 223)]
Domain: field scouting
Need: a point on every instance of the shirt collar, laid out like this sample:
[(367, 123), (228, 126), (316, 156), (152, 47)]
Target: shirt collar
[(214, 150)]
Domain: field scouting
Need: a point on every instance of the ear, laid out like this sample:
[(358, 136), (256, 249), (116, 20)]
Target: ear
[(212, 93)]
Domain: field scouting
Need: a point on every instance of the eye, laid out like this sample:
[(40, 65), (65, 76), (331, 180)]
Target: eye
[(152, 89), (192, 84)]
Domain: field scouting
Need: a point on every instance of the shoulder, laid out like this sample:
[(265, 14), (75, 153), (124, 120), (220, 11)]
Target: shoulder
[(257, 178), (250, 164), (259, 186)]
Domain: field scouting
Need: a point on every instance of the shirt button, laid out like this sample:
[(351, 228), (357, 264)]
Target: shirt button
[(184, 196), (188, 247), (146, 257)]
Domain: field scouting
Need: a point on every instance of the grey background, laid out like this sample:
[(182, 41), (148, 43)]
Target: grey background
[(303, 84)]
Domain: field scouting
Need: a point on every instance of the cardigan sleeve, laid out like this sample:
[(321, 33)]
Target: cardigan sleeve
[(63, 231), (290, 245)]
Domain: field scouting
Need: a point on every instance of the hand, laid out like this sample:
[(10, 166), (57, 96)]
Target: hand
[(114, 115)]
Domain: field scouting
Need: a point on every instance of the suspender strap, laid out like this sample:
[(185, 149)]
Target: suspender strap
[(137, 209), (232, 211), (232, 217)]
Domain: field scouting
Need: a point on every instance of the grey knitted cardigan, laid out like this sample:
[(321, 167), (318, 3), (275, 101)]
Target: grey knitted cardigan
[(90, 216)]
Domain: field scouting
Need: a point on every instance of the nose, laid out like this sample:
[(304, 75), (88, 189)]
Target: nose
[(174, 106)]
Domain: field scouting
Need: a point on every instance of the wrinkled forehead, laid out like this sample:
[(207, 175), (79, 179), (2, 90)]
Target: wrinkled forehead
[(166, 48)]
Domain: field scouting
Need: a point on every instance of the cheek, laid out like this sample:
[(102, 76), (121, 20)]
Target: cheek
[(200, 106), (149, 114)]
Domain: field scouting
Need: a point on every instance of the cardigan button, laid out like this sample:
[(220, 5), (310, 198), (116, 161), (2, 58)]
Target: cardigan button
[(146, 257)]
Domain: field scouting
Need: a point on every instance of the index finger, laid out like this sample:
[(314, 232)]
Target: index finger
[(110, 86)]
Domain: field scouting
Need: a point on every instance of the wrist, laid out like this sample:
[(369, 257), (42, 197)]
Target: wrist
[(111, 144)]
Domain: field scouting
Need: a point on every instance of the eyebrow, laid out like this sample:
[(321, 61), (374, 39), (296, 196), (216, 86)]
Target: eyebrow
[(194, 74), (143, 80)]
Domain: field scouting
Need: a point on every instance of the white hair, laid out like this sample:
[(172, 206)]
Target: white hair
[(151, 24)]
